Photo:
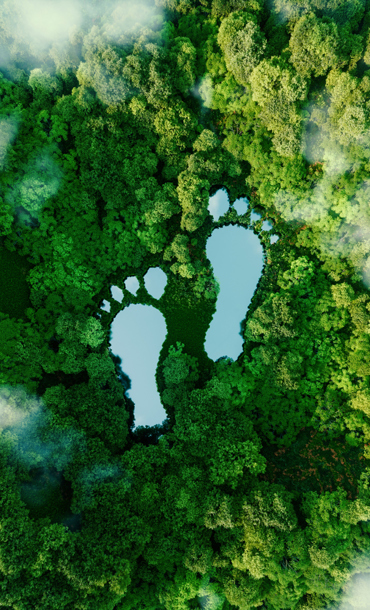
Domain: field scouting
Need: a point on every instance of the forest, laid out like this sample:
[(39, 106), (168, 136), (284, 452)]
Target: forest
[(118, 120)]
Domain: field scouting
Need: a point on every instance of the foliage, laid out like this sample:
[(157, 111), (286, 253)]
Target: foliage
[(312, 35), (242, 43)]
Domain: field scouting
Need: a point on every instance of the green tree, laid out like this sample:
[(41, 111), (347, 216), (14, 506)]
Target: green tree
[(314, 43), (254, 491), (242, 43), (183, 57), (348, 111), (279, 91)]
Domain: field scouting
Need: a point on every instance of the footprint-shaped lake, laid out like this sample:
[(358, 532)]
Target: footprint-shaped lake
[(139, 331)]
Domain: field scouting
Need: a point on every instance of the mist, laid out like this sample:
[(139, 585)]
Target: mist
[(34, 31), (341, 227)]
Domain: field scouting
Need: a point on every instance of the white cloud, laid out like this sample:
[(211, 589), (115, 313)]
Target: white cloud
[(218, 204), (359, 591), (5, 55), (91, 477), (203, 90), (127, 17), (8, 132), (35, 441), (11, 414), (39, 183), (39, 23), (41, 26), (208, 597)]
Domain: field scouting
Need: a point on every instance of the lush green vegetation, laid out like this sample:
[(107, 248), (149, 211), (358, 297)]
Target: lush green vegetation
[(255, 491)]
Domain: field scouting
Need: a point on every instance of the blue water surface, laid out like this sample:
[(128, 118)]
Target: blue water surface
[(138, 333), (237, 259)]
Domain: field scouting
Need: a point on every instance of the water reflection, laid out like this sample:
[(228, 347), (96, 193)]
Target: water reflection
[(241, 206), (117, 293)]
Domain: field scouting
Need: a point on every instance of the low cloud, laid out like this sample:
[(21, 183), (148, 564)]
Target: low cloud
[(208, 598), (203, 90), (42, 27), (31, 28), (283, 9), (34, 440), (8, 133), (40, 444), (341, 226), (356, 591), (37, 183), (43, 22), (127, 17)]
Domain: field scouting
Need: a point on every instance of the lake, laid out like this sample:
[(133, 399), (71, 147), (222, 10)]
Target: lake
[(236, 256), (139, 331)]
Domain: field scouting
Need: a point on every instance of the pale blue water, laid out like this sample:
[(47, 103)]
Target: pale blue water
[(237, 259), (132, 284), (241, 206), (218, 204), (139, 331), (116, 293)]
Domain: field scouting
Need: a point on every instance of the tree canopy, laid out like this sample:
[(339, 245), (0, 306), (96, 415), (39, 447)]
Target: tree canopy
[(117, 123)]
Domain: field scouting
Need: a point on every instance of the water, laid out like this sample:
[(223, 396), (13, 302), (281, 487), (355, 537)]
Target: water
[(105, 306), (266, 226), (241, 206), (117, 295), (236, 255), (237, 258), (138, 332), (155, 281), (132, 284), (218, 204)]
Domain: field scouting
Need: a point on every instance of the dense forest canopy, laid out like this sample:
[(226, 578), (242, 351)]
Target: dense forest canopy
[(118, 121)]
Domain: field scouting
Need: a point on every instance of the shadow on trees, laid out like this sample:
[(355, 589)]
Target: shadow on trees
[(48, 494), (14, 288)]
